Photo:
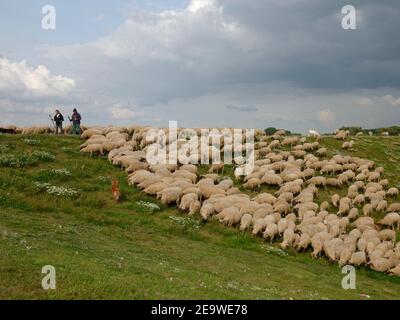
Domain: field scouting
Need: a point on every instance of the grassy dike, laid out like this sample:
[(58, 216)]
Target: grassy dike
[(105, 250)]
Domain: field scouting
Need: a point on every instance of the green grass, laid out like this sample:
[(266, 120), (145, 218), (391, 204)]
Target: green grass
[(105, 250)]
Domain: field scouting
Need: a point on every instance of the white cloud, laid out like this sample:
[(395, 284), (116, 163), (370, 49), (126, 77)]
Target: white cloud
[(123, 113), (392, 100), (196, 5), (17, 78), (326, 116), (363, 101), (196, 38), (191, 63)]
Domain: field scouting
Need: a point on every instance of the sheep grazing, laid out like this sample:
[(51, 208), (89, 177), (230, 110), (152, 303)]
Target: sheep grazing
[(206, 210), (230, 216), (245, 222), (324, 206), (368, 209), (333, 182), (382, 205), (186, 201), (321, 152), (93, 148), (390, 220), (353, 214), (170, 195), (342, 134), (335, 200), (393, 192), (258, 226), (304, 242), (380, 264), (265, 198), (194, 207), (270, 231), (359, 199), (207, 191), (387, 234), (155, 188), (252, 183), (364, 221), (394, 207), (317, 242), (395, 271), (348, 144), (344, 208), (288, 238), (348, 236), (317, 181), (358, 258), (217, 168), (345, 255)]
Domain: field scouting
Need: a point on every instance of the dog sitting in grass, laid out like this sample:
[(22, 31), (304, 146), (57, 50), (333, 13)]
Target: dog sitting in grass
[(115, 190)]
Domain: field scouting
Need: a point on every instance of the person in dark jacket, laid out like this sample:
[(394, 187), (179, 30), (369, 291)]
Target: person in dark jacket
[(76, 122), (58, 119)]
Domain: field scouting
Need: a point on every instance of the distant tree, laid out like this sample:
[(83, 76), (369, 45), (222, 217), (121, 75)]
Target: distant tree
[(393, 131), (353, 130), (270, 131)]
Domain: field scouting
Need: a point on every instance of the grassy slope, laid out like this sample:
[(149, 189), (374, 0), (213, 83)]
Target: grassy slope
[(106, 250)]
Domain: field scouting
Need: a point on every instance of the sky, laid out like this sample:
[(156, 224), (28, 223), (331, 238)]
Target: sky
[(204, 63)]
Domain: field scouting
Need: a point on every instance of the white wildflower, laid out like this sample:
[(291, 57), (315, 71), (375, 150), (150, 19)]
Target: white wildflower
[(186, 222), (148, 205), (60, 172), (57, 191)]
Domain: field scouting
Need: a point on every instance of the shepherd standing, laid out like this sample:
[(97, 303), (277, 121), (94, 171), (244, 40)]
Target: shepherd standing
[(58, 119), (76, 122)]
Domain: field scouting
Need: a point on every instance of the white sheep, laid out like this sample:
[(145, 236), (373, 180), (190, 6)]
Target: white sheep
[(348, 144), (387, 234), (252, 183), (288, 238), (194, 207), (393, 192), (246, 221), (186, 200), (93, 148), (258, 226), (395, 271), (358, 258), (391, 219), (170, 195), (207, 209), (394, 207), (230, 216), (270, 231)]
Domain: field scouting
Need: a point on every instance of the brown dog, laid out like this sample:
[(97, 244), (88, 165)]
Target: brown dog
[(115, 190)]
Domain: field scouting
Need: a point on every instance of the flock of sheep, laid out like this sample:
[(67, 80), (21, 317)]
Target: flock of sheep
[(342, 229), (34, 129)]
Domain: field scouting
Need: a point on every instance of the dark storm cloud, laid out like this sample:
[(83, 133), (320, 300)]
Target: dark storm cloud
[(303, 42), (267, 61)]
